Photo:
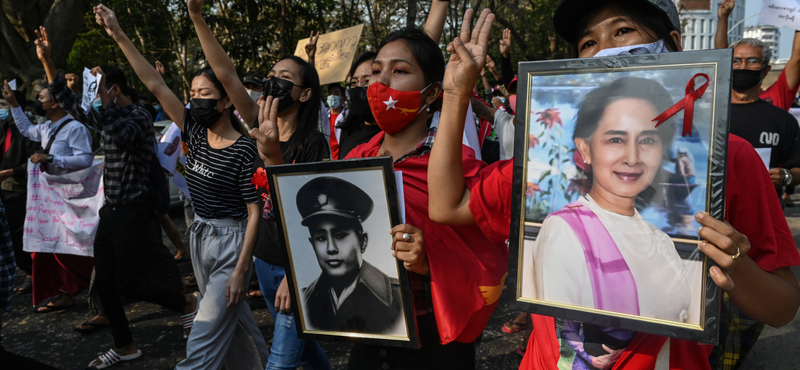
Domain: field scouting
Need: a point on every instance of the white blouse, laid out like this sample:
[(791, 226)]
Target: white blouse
[(663, 280)]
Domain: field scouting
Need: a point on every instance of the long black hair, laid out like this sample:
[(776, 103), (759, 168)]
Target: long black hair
[(425, 51), (308, 115), (654, 21), (352, 121), (208, 73)]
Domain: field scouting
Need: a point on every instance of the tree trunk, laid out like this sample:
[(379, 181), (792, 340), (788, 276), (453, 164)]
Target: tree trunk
[(18, 20), (411, 16)]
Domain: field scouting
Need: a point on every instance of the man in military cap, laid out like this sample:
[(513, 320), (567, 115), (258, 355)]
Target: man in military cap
[(350, 295)]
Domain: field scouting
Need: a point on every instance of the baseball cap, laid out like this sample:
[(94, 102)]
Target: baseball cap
[(570, 11), (254, 78)]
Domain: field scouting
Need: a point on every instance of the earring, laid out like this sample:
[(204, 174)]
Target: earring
[(428, 109)]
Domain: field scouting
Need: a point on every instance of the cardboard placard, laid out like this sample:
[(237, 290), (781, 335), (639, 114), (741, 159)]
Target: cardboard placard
[(335, 53)]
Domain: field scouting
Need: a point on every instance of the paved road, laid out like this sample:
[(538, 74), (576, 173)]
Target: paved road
[(50, 338)]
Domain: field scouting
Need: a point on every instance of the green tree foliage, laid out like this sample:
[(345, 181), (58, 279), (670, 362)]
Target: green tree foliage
[(256, 33)]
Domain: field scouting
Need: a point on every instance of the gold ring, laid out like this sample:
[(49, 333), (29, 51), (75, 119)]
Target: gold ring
[(738, 252)]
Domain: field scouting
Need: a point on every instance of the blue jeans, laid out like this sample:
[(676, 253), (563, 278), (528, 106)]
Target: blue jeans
[(288, 351)]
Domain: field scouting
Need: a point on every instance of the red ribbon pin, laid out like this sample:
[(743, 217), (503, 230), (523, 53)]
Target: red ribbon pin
[(687, 104)]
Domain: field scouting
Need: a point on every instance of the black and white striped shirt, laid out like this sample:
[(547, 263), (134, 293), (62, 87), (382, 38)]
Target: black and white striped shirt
[(219, 179)]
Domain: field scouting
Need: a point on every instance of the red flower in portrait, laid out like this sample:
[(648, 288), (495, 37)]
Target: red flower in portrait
[(532, 189), (533, 141), (549, 117)]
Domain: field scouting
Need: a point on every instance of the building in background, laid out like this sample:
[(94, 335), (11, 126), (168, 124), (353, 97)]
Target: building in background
[(768, 35), (699, 22)]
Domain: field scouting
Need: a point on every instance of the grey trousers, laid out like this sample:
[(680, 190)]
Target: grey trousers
[(221, 335)]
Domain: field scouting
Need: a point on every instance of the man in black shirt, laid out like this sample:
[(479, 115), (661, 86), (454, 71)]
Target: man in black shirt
[(768, 128)]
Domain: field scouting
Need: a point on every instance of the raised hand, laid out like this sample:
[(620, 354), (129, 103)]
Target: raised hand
[(161, 70), (311, 47), (195, 5), (490, 64), (267, 135), (107, 19), (72, 81), (8, 95), (505, 43), (725, 8), (42, 44), (468, 54)]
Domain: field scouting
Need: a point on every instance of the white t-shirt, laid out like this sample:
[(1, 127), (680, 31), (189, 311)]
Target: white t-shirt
[(662, 278)]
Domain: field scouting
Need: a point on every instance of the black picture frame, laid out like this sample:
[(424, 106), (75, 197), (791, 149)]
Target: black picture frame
[(376, 174), (706, 329)]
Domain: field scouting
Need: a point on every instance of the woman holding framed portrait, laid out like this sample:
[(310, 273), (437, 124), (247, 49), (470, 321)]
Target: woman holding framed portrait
[(753, 269)]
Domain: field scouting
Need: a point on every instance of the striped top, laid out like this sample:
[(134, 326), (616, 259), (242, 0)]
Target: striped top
[(219, 179)]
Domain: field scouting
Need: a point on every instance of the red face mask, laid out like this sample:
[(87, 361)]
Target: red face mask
[(393, 110)]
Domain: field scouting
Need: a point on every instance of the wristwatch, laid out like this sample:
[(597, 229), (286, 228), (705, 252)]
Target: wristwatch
[(49, 159), (787, 177)]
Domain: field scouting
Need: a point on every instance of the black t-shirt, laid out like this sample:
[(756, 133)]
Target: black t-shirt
[(269, 247), (351, 139), (764, 125), (218, 179)]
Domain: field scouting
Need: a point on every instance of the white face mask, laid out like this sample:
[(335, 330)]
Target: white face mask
[(253, 94), (651, 48)]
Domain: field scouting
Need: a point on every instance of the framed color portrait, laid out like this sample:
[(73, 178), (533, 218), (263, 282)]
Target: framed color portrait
[(335, 219), (616, 157)]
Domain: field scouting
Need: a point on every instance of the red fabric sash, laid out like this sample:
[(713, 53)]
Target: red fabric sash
[(462, 260)]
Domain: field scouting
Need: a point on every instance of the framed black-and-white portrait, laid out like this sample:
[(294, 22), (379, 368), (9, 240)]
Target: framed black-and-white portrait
[(335, 219), (616, 157)]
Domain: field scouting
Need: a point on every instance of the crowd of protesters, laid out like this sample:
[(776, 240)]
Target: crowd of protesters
[(457, 197)]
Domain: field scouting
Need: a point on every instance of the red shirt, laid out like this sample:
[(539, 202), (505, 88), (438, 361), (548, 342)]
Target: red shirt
[(334, 143), (466, 268), (752, 208), (780, 93)]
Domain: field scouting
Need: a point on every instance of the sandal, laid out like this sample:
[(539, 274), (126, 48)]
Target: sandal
[(50, 308), (25, 288), (111, 357), (188, 321), (92, 327), (512, 327)]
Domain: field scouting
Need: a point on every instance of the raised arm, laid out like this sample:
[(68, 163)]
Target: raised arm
[(434, 26), (448, 198), (173, 106), (58, 88), (506, 68), (792, 67), (223, 66), (724, 13)]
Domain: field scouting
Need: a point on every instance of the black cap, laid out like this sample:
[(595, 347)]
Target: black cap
[(569, 11), (254, 78), (332, 196)]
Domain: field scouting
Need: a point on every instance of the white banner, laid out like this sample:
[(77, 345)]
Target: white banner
[(781, 13), (172, 157), (89, 89), (63, 211)]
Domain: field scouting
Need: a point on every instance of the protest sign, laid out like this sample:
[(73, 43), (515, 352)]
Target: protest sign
[(335, 53), (89, 89), (63, 211), (781, 13), (13, 84), (172, 157)]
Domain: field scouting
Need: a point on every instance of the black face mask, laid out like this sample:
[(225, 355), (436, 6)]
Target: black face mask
[(359, 104), (280, 89), (204, 112), (745, 79), (38, 106)]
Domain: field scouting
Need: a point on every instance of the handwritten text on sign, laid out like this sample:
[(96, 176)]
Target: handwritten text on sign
[(62, 213), (781, 13), (335, 53)]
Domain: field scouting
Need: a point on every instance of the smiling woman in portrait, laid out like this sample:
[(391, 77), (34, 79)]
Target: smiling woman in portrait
[(598, 252)]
